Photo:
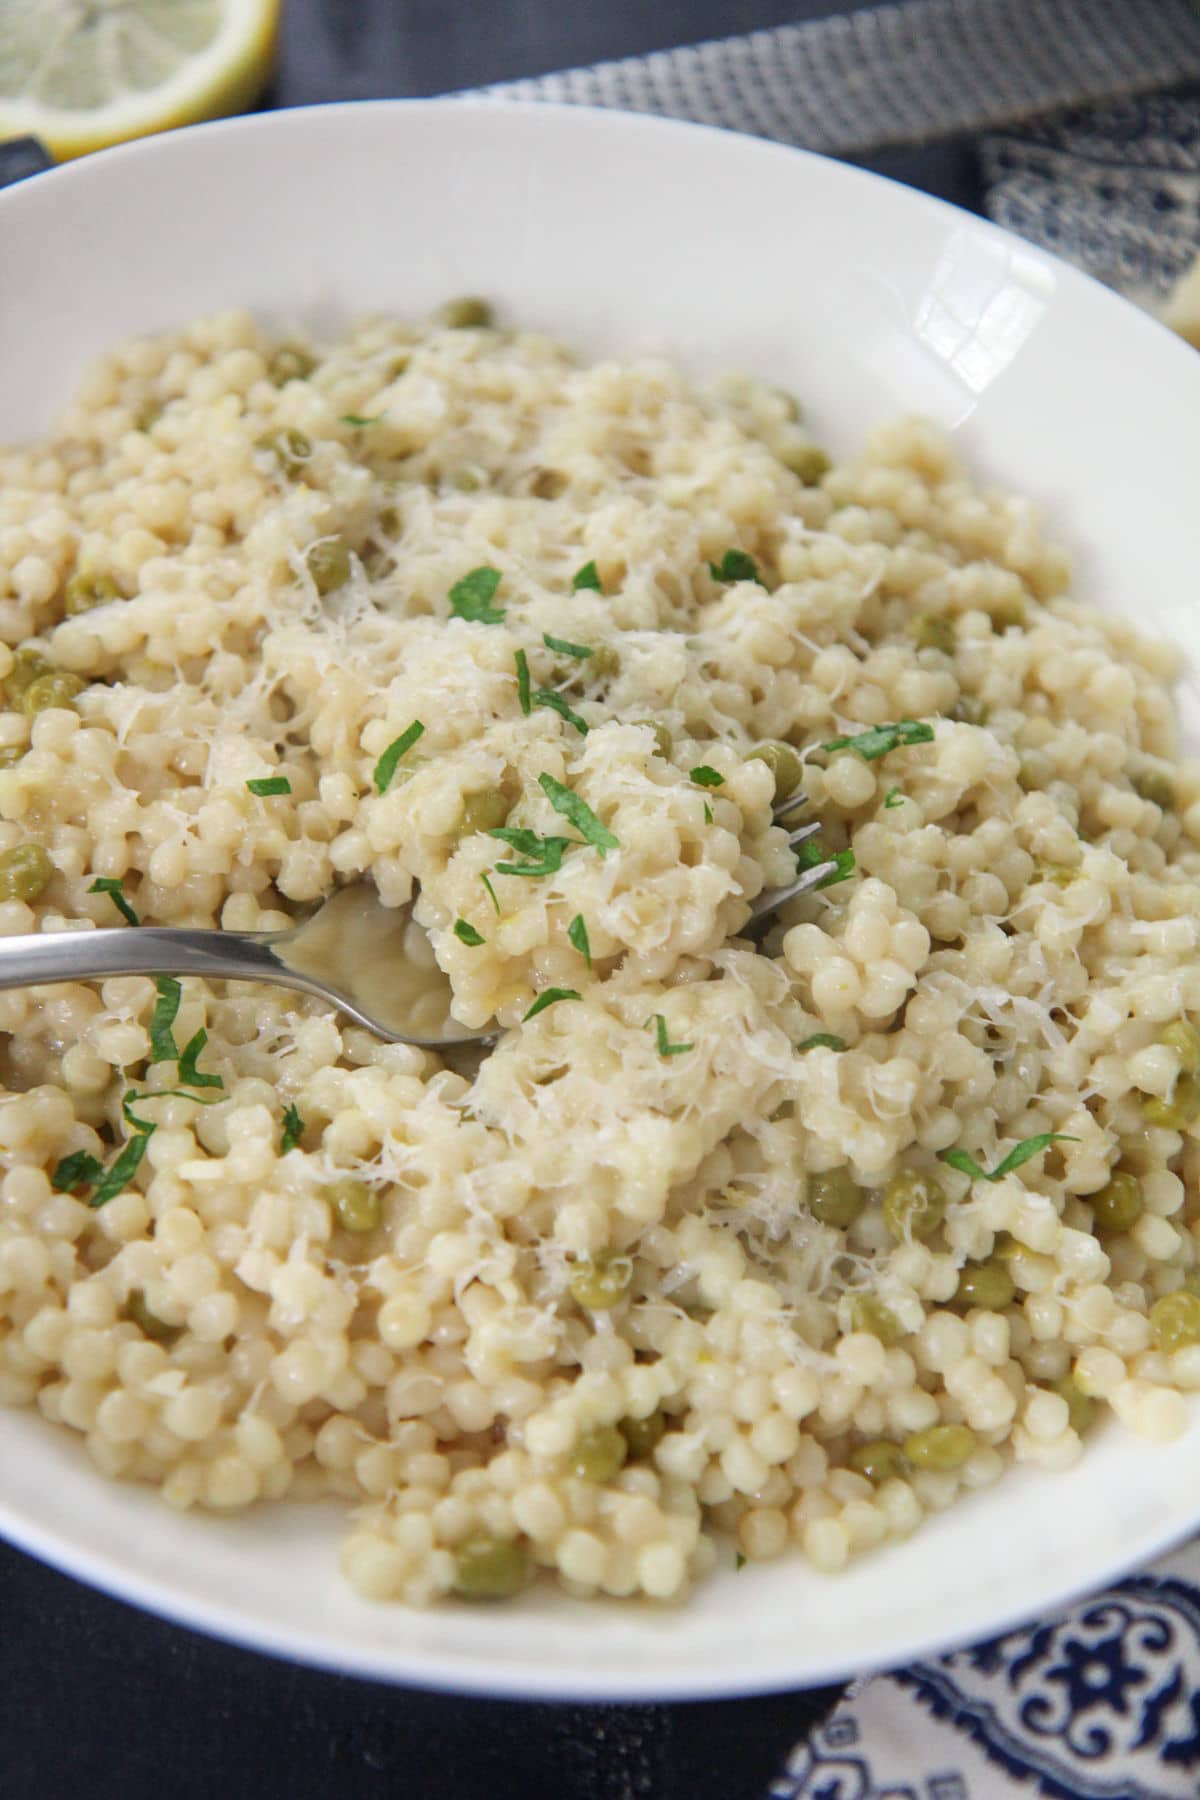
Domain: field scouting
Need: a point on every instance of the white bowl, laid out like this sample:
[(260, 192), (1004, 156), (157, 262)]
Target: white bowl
[(624, 234)]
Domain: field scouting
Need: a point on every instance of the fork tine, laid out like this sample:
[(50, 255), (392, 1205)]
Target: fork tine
[(784, 808), (796, 838), (773, 898)]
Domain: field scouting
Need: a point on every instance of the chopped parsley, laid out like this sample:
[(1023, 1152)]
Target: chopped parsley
[(83, 1170), (522, 662), (471, 597), (386, 767), (293, 1130), (162, 1040), (466, 933), (546, 853), (736, 565), (739, 1562), (270, 784), (566, 648), (665, 1046), (556, 703), (879, 739), (572, 807), (577, 935), (189, 1074), (114, 888), (78, 1170), (707, 813), (587, 577), (358, 421), (811, 855), (551, 997), (893, 798), (965, 1163), (822, 1040), (703, 776), (491, 893)]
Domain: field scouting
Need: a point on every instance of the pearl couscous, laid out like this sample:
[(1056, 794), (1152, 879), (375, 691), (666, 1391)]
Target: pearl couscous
[(786, 1241)]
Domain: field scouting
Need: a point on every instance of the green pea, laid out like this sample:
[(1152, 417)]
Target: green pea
[(85, 591), (490, 1568), (148, 1323), (1007, 612), (1155, 785), (468, 313), (1175, 1320), (290, 363), (784, 763), (1119, 1205), (987, 1285), (879, 1460), (808, 462), (914, 1205), (58, 689), (835, 1198), (328, 562), (1180, 1110), (291, 449), (598, 1282), (604, 660), (1184, 1039), (870, 1314), (25, 872), (939, 1447), (29, 665), (599, 1453), (642, 1436), (663, 736), (484, 810), (1081, 1408), (355, 1205), (969, 710), (931, 631)]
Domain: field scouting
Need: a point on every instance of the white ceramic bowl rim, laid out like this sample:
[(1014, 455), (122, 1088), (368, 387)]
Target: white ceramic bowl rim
[(892, 300)]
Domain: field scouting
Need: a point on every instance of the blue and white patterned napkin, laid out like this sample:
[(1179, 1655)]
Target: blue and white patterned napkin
[(1085, 155)]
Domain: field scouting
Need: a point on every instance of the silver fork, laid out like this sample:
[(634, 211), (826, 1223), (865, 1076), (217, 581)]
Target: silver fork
[(372, 961)]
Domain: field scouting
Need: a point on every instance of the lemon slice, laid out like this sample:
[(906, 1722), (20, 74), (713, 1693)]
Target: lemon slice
[(80, 74)]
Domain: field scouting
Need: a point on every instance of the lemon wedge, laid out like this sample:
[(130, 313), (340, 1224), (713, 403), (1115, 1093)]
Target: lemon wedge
[(81, 74)]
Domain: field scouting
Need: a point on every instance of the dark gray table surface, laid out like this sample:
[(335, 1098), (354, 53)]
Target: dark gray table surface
[(104, 1703)]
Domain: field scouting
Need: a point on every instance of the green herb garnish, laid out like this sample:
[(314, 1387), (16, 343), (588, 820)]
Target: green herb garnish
[(358, 421), (491, 894), (556, 703), (965, 1163), (114, 888), (577, 935), (551, 997), (162, 1040), (881, 738), (270, 784), (522, 662), (706, 777), (471, 597), (736, 565), (293, 1130), (810, 856), (566, 648), (385, 768), (893, 798), (665, 1046), (572, 807), (824, 1040), (78, 1170), (739, 1562), (707, 813), (467, 934), (188, 1072), (587, 577), (83, 1170), (546, 853)]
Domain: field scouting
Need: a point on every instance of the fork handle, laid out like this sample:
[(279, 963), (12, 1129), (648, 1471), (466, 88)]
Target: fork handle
[(44, 957)]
